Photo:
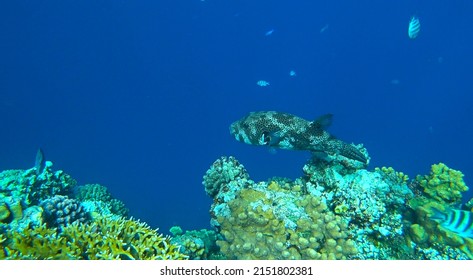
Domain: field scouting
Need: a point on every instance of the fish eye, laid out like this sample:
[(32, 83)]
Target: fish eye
[(266, 138)]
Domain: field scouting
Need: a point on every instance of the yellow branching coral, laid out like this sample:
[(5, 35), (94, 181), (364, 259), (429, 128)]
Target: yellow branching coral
[(105, 239), (443, 184)]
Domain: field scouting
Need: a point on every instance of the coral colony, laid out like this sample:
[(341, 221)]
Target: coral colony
[(336, 210)]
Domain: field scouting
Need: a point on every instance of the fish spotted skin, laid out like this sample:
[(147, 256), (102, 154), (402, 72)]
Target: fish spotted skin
[(286, 131)]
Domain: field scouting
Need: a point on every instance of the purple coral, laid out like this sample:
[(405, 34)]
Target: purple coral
[(61, 211)]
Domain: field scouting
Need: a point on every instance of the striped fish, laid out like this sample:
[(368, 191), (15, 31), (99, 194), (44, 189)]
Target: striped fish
[(414, 28), (458, 221)]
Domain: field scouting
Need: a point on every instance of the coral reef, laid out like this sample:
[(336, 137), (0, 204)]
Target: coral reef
[(337, 210), (443, 184), (41, 219), (270, 222), (105, 239), (224, 171), (30, 187), (97, 199), (197, 244), (441, 189)]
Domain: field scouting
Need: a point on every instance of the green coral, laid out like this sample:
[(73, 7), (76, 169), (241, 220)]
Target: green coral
[(98, 199), (31, 188), (394, 176), (443, 184), (441, 189), (105, 239), (197, 244), (267, 221)]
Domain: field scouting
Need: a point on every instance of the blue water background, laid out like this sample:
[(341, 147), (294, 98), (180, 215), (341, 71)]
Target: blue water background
[(138, 95)]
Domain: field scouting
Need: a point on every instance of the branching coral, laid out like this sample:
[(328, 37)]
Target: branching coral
[(104, 239)]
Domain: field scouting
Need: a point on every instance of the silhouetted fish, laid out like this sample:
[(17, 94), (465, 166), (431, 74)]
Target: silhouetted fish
[(414, 28), (40, 162)]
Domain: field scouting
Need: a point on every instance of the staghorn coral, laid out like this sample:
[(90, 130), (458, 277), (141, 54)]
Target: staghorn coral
[(61, 211), (105, 239)]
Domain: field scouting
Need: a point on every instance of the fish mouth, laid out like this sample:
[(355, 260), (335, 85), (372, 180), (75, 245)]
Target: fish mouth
[(233, 129)]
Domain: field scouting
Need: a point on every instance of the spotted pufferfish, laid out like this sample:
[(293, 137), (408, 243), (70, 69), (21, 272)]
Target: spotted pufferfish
[(286, 131)]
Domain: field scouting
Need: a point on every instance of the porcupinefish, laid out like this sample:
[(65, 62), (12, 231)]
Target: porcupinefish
[(286, 131)]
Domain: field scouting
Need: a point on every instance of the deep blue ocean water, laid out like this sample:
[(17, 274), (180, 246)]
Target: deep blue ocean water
[(138, 95)]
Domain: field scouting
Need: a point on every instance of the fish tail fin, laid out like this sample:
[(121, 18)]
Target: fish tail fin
[(352, 152)]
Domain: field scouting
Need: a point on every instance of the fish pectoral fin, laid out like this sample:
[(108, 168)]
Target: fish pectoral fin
[(322, 122)]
